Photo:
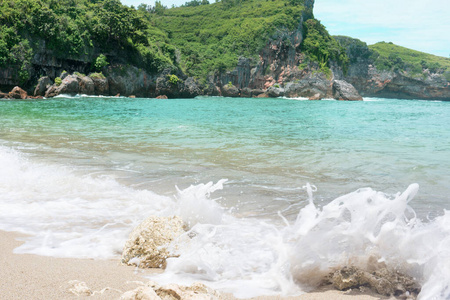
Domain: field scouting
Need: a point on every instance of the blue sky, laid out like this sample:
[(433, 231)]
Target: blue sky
[(422, 25)]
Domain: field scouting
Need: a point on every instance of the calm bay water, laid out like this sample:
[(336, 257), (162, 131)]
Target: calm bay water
[(111, 161)]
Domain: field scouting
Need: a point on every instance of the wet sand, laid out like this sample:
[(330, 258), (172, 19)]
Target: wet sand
[(27, 276)]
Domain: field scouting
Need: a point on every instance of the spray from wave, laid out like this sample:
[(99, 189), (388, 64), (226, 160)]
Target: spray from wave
[(72, 215)]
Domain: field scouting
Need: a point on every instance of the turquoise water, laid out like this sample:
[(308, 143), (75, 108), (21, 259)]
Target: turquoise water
[(264, 147), (79, 173)]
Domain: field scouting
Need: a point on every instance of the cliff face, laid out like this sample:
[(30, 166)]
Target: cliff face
[(281, 68), (372, 82), (278, 60)]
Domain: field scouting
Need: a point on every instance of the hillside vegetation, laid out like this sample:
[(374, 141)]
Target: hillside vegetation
[(212, 37), (197, 39), (80, 30), (388, 56)]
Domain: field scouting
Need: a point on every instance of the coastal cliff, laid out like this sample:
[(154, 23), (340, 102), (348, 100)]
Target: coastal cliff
[(236, 49), (378, 74)]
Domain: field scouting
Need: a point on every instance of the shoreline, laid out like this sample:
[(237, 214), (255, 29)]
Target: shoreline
[(29, 276)]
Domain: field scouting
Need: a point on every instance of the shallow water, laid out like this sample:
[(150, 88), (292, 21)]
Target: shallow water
[(79, 173)]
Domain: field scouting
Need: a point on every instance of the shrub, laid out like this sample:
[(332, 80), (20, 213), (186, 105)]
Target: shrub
[(58, 81), (97, 75), (100, 62), (173, 79)]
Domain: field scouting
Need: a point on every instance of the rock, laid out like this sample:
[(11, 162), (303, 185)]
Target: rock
[(342, 90), (257, 92), (148, 244), (191, 88), (18, 93), (229, 90), (246, 92), (141, 293), (86, 85), (308, 88), (263, 95), (162, 97), (64, 74), (101, 86), (128, 80), (132, 96), (240, 76), (275, 92), (42, 86), (79, 288), (315, 97), (153, 291), (382, 281), (51, 91), (69, 85), (4, 95)]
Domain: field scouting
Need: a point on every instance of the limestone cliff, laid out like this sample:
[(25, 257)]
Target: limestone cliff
[(282, 67), (373, 82)]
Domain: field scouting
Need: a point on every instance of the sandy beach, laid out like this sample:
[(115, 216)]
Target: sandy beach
[(26, 276)]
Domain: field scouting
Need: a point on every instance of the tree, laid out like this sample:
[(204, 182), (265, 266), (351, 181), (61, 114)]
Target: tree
[(100, 62)]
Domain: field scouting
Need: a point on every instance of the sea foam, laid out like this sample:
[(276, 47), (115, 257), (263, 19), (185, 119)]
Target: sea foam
[(251, 257), (67, 213)]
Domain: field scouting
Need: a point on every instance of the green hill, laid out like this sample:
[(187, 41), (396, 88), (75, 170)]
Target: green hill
[(212, 37), (79, 30), (389, 56)]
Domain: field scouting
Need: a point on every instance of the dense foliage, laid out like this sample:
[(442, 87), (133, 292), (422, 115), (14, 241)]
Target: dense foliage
[(81, 29), (321, 47), (356, 49), (198, 37), (212, 37), (15, 51), (388, 56)]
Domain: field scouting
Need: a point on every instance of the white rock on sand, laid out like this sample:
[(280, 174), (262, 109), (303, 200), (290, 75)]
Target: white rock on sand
[(148, 244), (154, 291)]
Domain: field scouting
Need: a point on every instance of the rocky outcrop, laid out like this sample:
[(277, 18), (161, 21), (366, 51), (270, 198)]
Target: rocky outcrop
[(372, 82), (18, 93), (314, 88), (402, 85), (278, 60), (148, 244), (229, 90), (101, 85), (42, 86), (86, 85), (382, 281), (129, 80), (153, 291), (69, 85), (275, 92), (342, 90)]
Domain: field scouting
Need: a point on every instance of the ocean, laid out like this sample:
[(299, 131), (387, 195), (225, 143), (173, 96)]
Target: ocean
[(278, 192)]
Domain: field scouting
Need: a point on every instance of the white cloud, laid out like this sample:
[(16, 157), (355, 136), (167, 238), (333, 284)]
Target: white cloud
[(417, 24)]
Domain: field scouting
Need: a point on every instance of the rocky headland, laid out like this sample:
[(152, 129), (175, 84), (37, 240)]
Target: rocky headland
[(281, 68)]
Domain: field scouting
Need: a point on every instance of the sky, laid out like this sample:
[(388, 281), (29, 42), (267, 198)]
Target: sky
[(422, 25)]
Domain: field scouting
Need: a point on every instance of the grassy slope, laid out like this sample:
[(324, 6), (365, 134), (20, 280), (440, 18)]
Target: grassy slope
[(414, 61), (212, 37)]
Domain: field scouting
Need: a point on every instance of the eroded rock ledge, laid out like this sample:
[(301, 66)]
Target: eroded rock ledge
[(154, 291), (382, 281), (148, 245)]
